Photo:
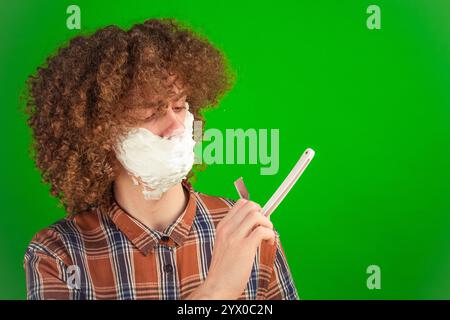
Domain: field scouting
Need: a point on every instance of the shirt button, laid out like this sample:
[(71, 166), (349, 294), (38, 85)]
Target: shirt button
[(164, 238), (168, 268)]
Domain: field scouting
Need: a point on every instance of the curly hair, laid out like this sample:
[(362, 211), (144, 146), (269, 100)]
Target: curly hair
[(81, 100)]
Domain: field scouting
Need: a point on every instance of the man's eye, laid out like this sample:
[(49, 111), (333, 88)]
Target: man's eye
[(178, 109), (150, 118)]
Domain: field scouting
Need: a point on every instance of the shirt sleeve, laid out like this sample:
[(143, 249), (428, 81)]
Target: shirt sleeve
[(281, 285), (46, 274)]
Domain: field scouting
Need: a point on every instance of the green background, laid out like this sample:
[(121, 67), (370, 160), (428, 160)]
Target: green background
[(373, 104)]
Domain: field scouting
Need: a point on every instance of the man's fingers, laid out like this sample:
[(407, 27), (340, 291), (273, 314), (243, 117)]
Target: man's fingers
[(252, 220), (259, 234), (237, 205), (241, 213)]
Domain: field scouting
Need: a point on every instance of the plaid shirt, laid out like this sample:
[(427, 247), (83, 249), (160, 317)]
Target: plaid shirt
[(111, 255)]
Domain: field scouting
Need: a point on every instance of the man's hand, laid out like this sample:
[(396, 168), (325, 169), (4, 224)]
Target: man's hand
[(238, 237)]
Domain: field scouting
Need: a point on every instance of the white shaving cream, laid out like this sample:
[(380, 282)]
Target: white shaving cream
[(158, 162)]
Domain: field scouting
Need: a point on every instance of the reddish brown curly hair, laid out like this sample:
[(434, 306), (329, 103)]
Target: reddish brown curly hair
[(82, 100)]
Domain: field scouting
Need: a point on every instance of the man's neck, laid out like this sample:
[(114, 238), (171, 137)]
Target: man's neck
[(155, 214)]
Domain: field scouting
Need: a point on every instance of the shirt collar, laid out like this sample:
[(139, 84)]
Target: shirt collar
[(144, 238)]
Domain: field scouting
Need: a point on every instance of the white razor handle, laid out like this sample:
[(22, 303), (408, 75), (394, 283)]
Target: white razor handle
[(289, 182)]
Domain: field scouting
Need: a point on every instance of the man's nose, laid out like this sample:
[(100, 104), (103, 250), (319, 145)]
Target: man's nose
[(172, 124)]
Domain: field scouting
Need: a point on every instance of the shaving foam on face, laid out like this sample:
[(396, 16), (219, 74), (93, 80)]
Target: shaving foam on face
[(157, 162)]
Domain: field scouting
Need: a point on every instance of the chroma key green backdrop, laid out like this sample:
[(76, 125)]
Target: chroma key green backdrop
[(373, 104)]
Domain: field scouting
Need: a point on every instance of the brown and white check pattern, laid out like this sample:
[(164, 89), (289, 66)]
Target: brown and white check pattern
[(114, 256)]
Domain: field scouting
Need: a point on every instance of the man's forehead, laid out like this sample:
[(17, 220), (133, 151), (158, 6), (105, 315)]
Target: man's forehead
[(145, 110), (176, 90), (175, 81)]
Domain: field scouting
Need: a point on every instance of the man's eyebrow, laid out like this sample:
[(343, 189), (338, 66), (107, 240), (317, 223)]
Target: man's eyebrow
[(144, 112), (178, 97)]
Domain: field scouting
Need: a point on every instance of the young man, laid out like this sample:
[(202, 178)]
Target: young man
[(112, 117)]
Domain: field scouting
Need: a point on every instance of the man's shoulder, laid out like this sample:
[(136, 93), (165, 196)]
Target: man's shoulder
[(55, 239), (215, 206)]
